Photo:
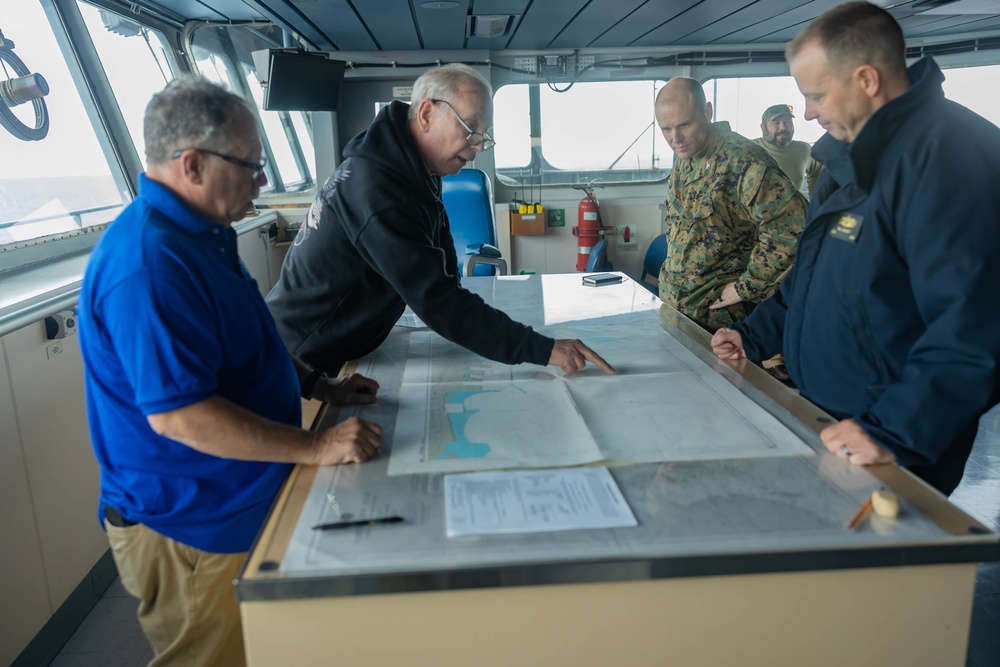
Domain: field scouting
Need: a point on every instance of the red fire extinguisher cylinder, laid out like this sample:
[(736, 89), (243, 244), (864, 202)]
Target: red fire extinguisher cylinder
[(588, 230)]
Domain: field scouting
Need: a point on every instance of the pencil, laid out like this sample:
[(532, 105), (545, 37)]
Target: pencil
[(860, 515), (362, 522)]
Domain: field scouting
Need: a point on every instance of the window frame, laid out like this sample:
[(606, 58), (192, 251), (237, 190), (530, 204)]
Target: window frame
[(237, 73), (100, 104), (570, 177)]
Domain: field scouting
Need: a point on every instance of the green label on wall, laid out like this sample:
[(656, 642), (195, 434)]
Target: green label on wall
[(555, 217)]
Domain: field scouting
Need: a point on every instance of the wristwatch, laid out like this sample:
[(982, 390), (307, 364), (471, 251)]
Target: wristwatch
[(309, 383)]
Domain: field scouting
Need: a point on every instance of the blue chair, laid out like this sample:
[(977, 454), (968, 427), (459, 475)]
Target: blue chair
[(655, 256), (598, 260), (468, 199)]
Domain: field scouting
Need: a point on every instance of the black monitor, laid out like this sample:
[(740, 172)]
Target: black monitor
[(299, 81)]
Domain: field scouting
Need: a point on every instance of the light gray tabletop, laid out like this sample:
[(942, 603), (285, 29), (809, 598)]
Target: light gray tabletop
[(695, 517)]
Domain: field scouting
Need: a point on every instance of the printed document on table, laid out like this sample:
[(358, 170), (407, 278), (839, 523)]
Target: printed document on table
[(534, 501), (410, 320)]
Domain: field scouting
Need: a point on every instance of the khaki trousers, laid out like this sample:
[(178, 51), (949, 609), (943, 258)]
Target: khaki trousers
[(187, 606)]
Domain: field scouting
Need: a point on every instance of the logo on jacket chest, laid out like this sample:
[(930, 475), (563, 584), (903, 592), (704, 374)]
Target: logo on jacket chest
[(847, 227)]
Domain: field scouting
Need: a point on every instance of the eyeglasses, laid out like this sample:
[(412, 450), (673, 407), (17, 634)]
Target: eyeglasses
[(474, 138), (256, 167)]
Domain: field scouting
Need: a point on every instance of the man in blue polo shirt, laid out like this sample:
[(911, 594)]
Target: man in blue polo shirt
[(194, 404)]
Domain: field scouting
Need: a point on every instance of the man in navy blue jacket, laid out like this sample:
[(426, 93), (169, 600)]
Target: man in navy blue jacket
[(885, 318)]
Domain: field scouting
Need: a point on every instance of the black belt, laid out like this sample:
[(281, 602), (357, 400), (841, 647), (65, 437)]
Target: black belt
[(116, 519)]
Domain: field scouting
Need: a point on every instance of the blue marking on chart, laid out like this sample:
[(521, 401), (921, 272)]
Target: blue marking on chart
[(461, 448)]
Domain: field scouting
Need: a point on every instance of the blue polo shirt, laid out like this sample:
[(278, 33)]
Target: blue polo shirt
[(168, 318)]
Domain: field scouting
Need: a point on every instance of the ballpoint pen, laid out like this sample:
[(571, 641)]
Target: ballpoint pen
[(361, 522)]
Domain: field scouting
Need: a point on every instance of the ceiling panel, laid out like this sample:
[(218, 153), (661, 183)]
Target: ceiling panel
[(190, 9), (442, 28), (390, 21), (542, 22), (339, 22), (957, 24), (641, 21), (701, 14), (231, 10), (917, 21), (284, 14), (407, 25), (748, 16), (595, 19), (795, 18), (488, 7), (786, 34)]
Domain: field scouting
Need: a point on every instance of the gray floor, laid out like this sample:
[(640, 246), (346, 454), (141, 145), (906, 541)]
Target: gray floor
[(110, 635)]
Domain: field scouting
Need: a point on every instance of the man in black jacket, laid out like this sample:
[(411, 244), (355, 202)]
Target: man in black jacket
[(883, 318), (377, 238)]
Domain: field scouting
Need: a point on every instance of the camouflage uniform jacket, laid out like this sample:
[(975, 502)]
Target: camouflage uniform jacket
[(732, 215)]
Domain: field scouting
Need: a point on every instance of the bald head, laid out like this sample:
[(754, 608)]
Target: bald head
[(684, 117), (681, 88)]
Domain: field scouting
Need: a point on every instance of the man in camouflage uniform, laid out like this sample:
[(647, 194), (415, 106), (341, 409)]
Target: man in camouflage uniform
[(732, 215)]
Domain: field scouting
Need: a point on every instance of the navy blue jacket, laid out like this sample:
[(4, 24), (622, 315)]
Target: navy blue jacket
[(899, 326)]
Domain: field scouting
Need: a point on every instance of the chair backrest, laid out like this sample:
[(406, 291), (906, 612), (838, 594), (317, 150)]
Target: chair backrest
[(468, 199), (655, 256), (598, 260)]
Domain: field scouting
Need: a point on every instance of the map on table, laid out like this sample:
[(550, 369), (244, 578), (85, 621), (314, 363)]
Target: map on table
[(455, 411)]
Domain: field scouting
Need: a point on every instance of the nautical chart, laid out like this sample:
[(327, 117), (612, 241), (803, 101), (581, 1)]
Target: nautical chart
[(460, 412)]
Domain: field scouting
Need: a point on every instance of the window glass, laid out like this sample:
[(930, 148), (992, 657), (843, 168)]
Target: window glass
[(63, 182), (274, 127), (303, 131), (225, 54), (512, 127), (213, 68), (607, 125), (741, 101), (975, 87), (594, 130), (135, 61)]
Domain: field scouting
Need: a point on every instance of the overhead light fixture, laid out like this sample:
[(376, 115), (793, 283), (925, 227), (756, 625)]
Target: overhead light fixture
[(489, 26), (439, 4)]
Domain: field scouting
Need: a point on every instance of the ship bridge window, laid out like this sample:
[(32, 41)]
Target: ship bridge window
[(976, 88), (223, 54), (136, 61), (593, 130), (62, 185), (742, 100)]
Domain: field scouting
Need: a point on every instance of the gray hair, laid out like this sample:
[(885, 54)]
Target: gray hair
[(191, 112), (444, 83)]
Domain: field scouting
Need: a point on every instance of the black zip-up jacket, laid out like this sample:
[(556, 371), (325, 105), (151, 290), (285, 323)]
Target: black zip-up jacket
[(889, 314), (377, 238)]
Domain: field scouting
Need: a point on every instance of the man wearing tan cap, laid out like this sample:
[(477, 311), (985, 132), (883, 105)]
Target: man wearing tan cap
[(794, 157)]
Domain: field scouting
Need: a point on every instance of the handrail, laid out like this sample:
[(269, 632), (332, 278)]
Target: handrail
[(65, 298), (77, 215)]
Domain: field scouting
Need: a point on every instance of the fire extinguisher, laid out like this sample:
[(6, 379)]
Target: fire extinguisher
[(590, 227)]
